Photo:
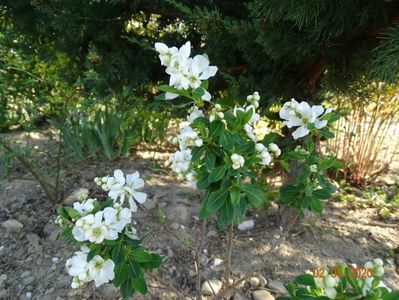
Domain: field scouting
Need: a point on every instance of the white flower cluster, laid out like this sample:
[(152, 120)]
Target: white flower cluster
[(377, 267), (185, 72), (181, 165), (301, 115), (216, 113), (237, 160), (328, 283), (104, 225), (264, 155), (98, 269), (249, 127), (120, 188), (254, 99), (188, 138)]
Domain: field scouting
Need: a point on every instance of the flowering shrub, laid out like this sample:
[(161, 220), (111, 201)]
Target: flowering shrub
[(342, 283), (222, 153), (110, 250)]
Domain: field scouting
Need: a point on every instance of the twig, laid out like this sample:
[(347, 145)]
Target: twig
[(198, 261), (229, 250)]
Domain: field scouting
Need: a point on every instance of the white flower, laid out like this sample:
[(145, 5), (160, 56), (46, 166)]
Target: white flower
[(301, 115), (199, 70), (97, 231), (189, 137), (330, 292), (254, 99), (194, 114), (185, 72), (238, 161), (179, 60), (275, 149), (368, 284), (121, 188), (313, 168), (85, 207), (263, 154), (191, 179), (216, 113), (165, 53), (77, 267), (100, 270), (81, 227), (250, 132), (116, 219)]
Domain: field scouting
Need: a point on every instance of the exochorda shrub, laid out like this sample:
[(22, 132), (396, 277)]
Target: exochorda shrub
[(220, 153)]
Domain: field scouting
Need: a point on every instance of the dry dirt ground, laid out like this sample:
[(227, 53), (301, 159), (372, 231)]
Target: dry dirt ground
[(32, 259)]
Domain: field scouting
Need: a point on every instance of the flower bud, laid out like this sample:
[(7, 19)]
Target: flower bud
[(369, 265), (329, 281), (313, 168), (379, 271), (378, 261)]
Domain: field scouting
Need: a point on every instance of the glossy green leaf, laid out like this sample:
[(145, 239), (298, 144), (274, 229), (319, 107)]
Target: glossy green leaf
[(217, 173), (235, 195), (254, 194), (216, 200), (140, 255), (140, 285)]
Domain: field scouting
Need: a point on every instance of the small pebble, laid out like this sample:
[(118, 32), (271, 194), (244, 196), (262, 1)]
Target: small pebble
[(246, 225), (210, 287)]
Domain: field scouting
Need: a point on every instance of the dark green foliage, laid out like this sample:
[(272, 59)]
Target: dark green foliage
[(281, 48)]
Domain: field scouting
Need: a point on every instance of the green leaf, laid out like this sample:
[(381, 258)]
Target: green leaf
[(156, 261), (289, 193), (226, 140), (140, 255), (241, 208), (210, 159), (204, 213), (315, 205), (127, 289), (203, 182), (226, 215), (118, 254), (140, 285), (321, 194), (269, 138), (391, 296), (235, 195), (305, 279), (73, 213), (326, 163), (325, 184), (197, 153), (133, 242), (198, 92), (216, 200), (295, 155), (121, 273), (216, 128), (217, 173), (168, 89), (134, 269), (255, 195)]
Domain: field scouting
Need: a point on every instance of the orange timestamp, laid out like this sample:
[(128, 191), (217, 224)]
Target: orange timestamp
[(340, 272)]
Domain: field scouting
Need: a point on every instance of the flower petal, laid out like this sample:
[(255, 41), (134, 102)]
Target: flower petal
[(300, 132), (140, 197)]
